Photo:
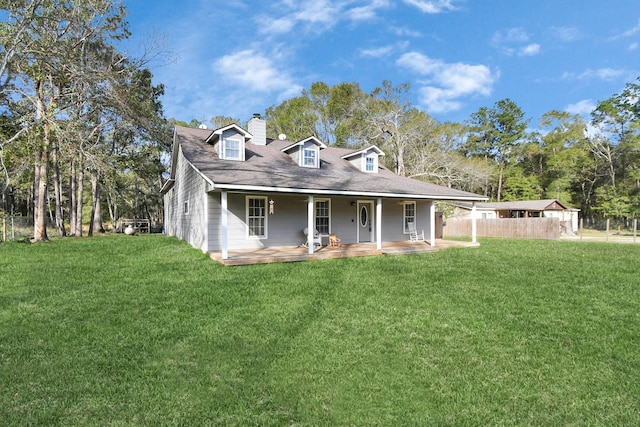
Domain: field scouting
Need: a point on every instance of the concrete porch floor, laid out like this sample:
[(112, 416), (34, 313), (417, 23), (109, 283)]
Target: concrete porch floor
[(300, 253)]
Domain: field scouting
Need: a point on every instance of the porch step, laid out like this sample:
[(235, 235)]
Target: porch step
[(409, 248)]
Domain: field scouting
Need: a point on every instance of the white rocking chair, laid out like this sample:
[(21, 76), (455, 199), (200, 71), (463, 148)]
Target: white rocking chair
[(414, 236), (317, 239)]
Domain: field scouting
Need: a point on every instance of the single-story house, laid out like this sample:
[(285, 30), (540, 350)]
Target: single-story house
[(234, 189), (548, 208)]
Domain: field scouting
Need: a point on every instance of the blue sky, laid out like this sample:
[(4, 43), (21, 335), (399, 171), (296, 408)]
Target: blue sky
[(238, 57)]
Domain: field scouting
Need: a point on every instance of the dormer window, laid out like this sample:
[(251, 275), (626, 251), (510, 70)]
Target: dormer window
[(229, 142), (370, 163), (310, 157), (365, 160), (232, 149), (306, 153)]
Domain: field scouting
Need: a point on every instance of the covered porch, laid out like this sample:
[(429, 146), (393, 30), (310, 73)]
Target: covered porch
[(275, 223), (301, 253)]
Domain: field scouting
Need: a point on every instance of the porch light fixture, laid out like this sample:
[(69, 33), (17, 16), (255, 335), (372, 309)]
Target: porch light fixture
[(271, 207), (353, 203)]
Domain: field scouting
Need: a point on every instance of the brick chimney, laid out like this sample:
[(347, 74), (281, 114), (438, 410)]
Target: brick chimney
[(257, 127)]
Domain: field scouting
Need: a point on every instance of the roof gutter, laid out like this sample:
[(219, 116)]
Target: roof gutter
[(168, 185), (341, 193)]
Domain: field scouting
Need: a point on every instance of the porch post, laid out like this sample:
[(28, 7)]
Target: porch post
[(474, 224), (310, 227), (225, 224), (432, 223), (379, 224)]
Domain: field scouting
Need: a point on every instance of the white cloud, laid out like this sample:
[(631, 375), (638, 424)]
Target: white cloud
[(254, 72), (447, 83), (418, 63), (377, 52), (599, 74), (383, 51), (512, 35), (633, 46), (242, 83), (516, 35), (628, 33), (433, 6), (515, 41), (405, 32), (366, 12), (269, 25), (566, 34), (606, 73), (530, 50), (322, 12), (317, 15), (584, 107)]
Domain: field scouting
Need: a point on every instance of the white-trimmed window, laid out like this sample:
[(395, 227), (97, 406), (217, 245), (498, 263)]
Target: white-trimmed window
[(408, 215), (232, 149), (185, 207), (256, 217), (370, 163), (310, 157), (323, 216)]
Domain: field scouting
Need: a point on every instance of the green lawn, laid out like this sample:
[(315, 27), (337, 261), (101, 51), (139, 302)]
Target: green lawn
[(145, 330)]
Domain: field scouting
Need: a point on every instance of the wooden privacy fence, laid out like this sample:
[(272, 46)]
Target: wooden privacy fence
[(532, 228)]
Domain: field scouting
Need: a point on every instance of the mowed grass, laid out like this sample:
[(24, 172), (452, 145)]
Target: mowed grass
[(146, 330)]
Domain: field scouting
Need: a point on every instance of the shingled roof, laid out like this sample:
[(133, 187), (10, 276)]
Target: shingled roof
[(521, 205), (267, 168)]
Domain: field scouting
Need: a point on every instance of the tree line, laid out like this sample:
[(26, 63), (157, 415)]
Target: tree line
[(593, 164), (83, 137), (81, 124)]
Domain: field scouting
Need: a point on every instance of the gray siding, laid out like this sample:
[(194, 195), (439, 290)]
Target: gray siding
[(392, 228), (189, 187), (237, 224), (258, 128), (356, 162), (214, 229), (296, 154), (344, 219), (392, 220), (284, 227)]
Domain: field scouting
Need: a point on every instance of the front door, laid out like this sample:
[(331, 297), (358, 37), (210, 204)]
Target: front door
[(365, 222)]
